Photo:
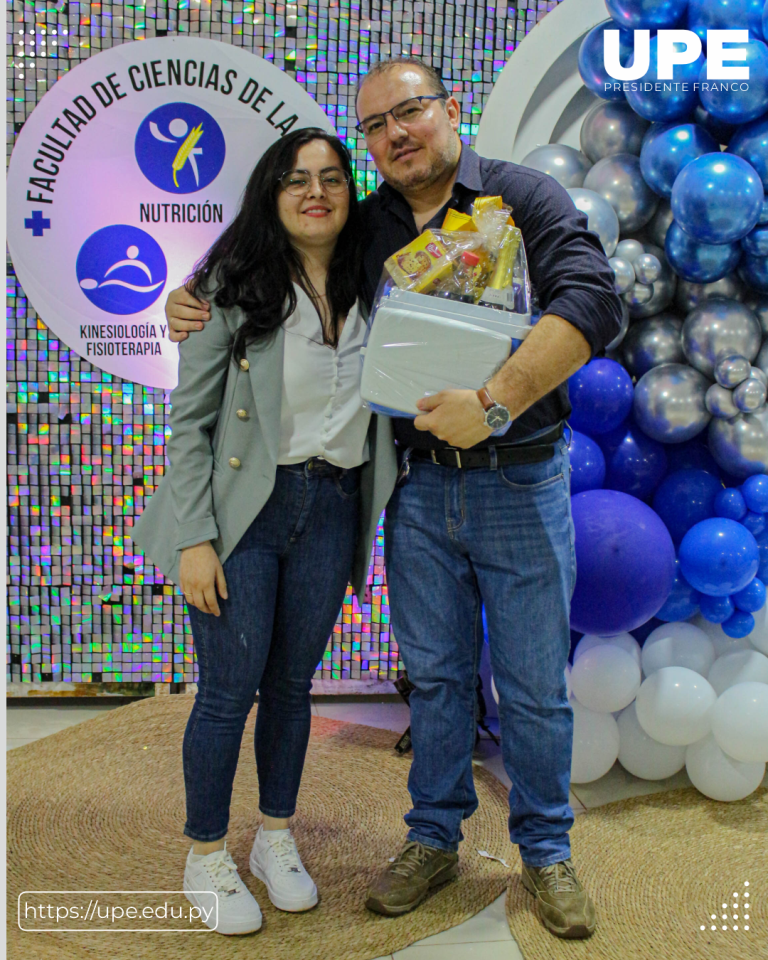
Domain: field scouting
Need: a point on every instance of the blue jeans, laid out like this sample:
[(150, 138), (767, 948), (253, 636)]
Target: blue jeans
[(286, 581), (455, 541)]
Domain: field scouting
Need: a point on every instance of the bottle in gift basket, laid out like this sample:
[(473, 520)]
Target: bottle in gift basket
[(461, 284), (502, 292)]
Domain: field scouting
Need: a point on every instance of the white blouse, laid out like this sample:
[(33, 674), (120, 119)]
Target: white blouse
[(322, 414)]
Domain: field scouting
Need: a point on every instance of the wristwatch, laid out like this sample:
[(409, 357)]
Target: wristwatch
[(496, 415)]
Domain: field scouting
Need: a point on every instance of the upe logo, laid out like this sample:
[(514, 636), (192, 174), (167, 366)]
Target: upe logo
[(121, 269), (180, 148), (677, 47)]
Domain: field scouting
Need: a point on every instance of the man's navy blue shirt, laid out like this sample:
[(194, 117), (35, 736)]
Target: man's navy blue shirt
[(567, 264)]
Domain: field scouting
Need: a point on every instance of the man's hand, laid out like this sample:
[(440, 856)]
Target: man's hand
[(184, 312), (200, 573), (456, 416)]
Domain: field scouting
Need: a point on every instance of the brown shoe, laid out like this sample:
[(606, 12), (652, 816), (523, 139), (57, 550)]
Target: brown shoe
[(565, 906), (404, 883)]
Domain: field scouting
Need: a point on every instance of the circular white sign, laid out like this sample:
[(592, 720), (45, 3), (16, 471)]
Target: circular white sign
[(124, 175)]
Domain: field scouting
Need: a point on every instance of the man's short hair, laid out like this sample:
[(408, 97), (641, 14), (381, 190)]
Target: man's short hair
[(434, 79)]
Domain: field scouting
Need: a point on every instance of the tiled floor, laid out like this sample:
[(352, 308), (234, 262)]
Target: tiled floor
[(484, 937)]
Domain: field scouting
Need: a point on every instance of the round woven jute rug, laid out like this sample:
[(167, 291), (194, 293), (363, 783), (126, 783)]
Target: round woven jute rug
[(101, 807), (658, 868)]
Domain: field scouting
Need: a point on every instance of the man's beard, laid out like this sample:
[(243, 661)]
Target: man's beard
[(445, 159)]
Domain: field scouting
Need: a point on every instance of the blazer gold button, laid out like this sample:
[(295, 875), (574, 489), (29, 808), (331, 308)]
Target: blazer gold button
[(234, 463), (244, 365), (243, 414)]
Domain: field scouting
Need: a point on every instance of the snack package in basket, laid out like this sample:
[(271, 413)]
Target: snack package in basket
[(450, 308)]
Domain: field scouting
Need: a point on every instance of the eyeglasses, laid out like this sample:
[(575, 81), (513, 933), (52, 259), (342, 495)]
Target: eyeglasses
[(408, 112), (297, 182)]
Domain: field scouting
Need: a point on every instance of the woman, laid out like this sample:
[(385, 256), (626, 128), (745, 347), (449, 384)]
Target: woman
[(269, 502)]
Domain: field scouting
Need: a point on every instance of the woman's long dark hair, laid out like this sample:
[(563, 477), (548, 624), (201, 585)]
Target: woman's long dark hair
[(253, 264)]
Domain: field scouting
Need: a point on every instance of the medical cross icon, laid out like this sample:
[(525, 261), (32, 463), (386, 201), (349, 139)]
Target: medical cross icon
[(37, 223)]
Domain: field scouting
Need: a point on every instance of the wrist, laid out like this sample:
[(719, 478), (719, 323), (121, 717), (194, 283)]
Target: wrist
[(495, 414)]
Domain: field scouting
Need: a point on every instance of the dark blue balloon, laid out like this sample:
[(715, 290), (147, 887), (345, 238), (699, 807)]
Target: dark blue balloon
[(674, 101), (601, 395), (750, 142), (646, 14), (682, 602), (715, 609), (755, 492), (717, 198), (719, 557), (634, 463), (755, 244), (755, 523), (699, 262), (667, 148), (730, 504), (625, 561), (751, 598), (686, 498), (722, 132), (690, 455), (738, 625), (706, 15), (754, 272), (739, 105), (587, 463), (592, 61)]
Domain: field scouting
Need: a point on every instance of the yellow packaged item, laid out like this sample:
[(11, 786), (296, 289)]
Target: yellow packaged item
[(458, 221), (420, 265)]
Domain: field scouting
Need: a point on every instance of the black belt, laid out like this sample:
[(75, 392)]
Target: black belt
[(535, 451)]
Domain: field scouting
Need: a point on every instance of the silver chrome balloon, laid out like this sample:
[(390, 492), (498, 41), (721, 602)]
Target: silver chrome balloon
[(669, 403), (651, 342), (758, 303), (618, 180), (663, 288), (659, 223), (639, 294), (719, 402), (612, 127), (740, 445), (761, 361), (647, 268), (601, 217), (618, 339), (623, 274), (750, 395), (565, 164), (718, 327), (629, 250), (690, 295), (758, 374), (731, 370)]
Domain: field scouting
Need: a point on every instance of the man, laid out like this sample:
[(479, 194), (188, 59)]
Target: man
[(478, 522)]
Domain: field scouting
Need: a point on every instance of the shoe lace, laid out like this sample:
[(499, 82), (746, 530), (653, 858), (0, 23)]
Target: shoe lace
[(560, 877), (223, 872), (284, 849), (410, 858)]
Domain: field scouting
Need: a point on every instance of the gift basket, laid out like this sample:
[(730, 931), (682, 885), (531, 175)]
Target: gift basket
[(450, 309)]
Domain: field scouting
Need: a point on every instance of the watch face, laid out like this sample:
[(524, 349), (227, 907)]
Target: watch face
[(497, 416)]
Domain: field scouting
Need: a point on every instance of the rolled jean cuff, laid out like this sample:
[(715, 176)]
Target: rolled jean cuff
[(555, 858), (277, 814), (206, 839), (431, 842)]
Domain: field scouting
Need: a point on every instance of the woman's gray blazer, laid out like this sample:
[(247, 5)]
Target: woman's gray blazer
[(225, 422)]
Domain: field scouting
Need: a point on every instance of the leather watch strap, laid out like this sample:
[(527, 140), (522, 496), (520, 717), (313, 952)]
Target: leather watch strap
[(485, 399)]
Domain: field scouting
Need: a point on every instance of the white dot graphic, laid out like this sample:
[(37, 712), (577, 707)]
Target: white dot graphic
[(714, 927), (746, 883), (725, 928), (178, 127), (132, 252), (735, 928), (703, 927), (746, 927)]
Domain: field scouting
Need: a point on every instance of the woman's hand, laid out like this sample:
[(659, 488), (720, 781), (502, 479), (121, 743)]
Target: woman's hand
[(200, 574)]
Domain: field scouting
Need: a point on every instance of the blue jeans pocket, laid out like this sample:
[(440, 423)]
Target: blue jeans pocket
[(348, 484)]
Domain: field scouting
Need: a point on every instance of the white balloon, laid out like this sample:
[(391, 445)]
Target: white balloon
[(759, 636), (595, 744), (722, 642), (605, 678), (740, 722), (623, 640), (678, 644), (719, 776), (739, 667), (641, 755), (674, 705)]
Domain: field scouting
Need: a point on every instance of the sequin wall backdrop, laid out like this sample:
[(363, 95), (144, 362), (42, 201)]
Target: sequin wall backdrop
[(85, 449)]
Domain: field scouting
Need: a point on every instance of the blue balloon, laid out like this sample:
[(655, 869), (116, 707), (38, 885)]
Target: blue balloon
[(738, 625), (765, 20), (750, 142), (763, 218), (592, 61), (730, 504), (601, 396), (682, 603), (755, 244), (625, 561), (634, 463), (739, 105), (755, 492), (675, 100), (762, 546), (587, 463), (754, 272), (721, 131), (719, 557), (699, 262), (686, 498), (691, 455), (717, 198), (751, 598), (715, 609), (646, 14), (706, 15), (755, 523), (667, 148)]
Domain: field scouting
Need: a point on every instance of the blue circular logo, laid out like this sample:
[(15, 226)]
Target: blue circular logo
[(121, 269), (180, 148)]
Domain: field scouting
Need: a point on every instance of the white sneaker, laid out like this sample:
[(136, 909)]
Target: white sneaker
[(276, 862), (238, 912)]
